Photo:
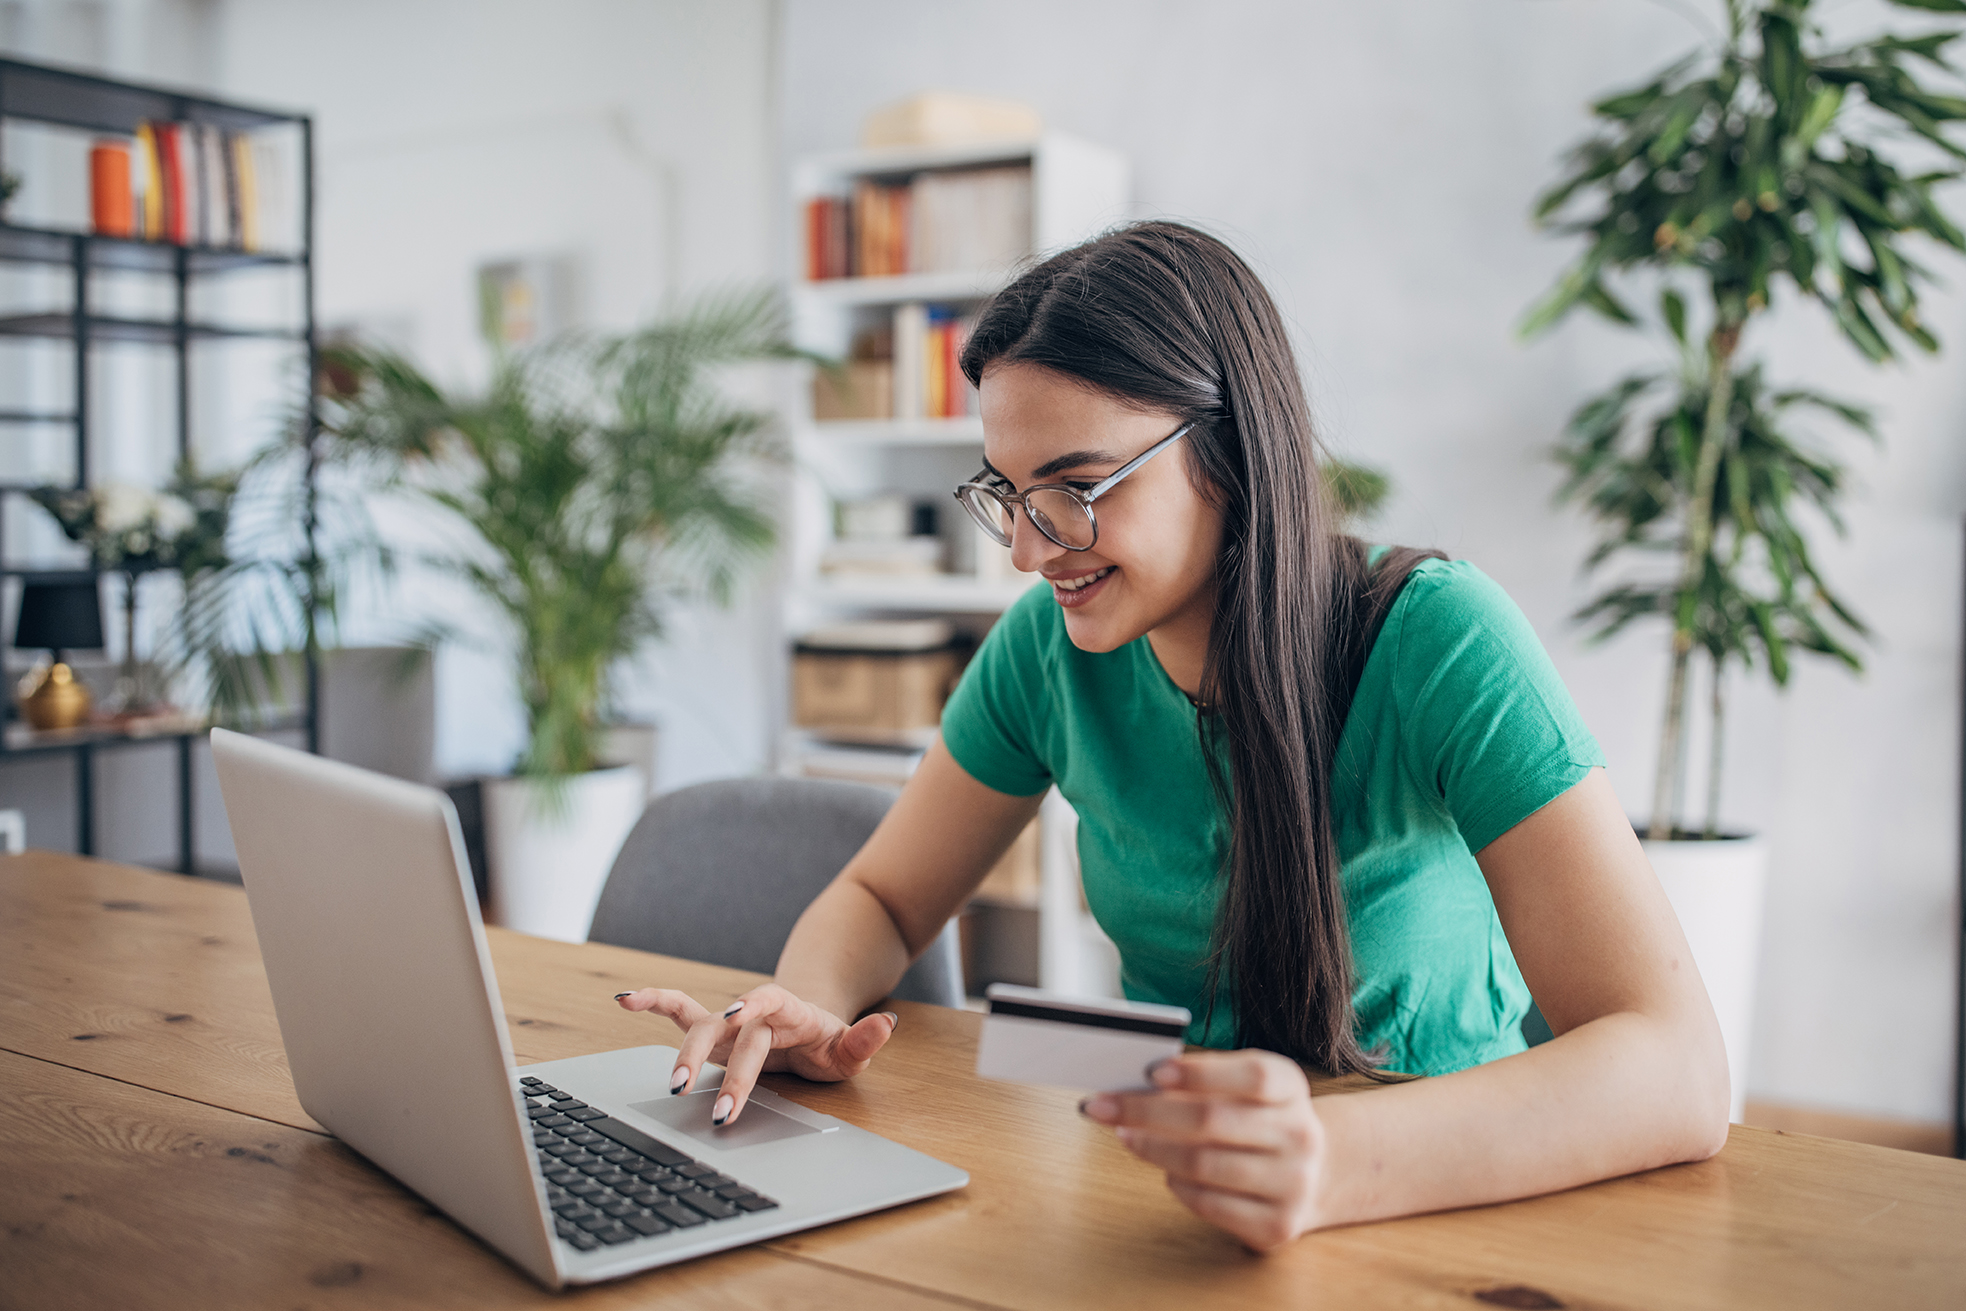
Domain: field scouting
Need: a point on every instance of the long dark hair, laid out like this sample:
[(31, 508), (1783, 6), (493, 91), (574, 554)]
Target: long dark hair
[(1166, 317)]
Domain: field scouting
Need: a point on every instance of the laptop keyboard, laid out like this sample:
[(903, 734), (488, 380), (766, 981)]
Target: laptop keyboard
[(608, 1183)]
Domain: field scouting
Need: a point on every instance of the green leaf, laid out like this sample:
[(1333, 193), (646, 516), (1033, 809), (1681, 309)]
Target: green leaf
[(1674, 310), (1600, 299), (1936, 6)]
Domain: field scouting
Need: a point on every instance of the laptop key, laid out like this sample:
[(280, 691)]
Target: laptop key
[(655, 1174), (694, 1170), (709, 1203), (595, 1167), (565, 1103), (713, 1181), (585, 1188), (732, 1191), (588, 1113), (529, 1079), (619, 1155), (564, 1177), (585, 1242), (554, 1120), (753, 1203), (675, 1184), (680, 1216), (646, 1225), (619, 1207), (613, 1178), (570, 1210), (620, 1233), (635, 1140), (594, 1223), (587, 1138)]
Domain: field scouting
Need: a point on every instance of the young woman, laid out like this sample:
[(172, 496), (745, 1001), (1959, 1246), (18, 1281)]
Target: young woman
[(1333, 800)]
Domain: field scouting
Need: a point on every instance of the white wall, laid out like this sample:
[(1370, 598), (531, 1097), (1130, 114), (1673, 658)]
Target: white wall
[(1376, 164), (632, 137)]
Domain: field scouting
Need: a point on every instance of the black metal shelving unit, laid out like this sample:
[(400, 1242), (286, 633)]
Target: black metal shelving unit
[(64, 98)]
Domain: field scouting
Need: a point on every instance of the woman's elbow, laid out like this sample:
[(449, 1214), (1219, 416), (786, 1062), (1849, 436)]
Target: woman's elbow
[(1707, 1091)]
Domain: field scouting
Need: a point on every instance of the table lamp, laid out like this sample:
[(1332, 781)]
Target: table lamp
[(61, 614)]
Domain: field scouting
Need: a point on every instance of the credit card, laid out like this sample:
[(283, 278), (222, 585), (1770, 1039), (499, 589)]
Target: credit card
[(1031, 1036)]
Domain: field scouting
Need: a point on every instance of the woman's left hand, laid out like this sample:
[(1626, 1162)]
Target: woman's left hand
[(1236, 1132)]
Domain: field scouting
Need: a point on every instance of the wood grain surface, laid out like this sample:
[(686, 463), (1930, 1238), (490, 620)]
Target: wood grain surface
[(117, 1196), (1056, 1215)]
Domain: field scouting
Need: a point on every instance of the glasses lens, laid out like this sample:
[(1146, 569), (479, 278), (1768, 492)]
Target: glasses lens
[(990, 513), (1061, 516)]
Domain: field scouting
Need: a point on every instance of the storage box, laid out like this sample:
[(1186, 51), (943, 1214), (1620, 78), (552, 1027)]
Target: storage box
[(871, 695), (862, 389)]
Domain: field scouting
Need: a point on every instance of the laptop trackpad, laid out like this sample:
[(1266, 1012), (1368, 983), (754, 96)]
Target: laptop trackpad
[(690, 1114)]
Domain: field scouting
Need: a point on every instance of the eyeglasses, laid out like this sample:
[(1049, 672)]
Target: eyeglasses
[(1061, 513)]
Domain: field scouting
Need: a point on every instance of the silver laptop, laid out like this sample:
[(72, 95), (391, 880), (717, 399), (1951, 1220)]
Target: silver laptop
[(577, 1170)]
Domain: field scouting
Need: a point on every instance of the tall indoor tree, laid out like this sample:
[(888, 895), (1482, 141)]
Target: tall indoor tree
[(1777, 160)]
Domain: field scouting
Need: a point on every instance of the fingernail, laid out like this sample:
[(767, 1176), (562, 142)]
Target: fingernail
[(1101, 1108), (721, 1111), (1162, 1072), (619, 995), (893, 1020), (678, 1079), (735, 1007)]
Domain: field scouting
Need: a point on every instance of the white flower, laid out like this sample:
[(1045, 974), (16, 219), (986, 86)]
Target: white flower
[(174, 515), (121, 507)]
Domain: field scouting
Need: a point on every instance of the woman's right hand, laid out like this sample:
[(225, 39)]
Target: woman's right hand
[(767, 1028)]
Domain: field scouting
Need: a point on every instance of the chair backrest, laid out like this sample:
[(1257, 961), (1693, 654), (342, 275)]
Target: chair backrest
[(721, 871)]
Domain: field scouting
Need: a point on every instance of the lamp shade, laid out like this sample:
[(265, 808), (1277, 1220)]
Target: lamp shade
[(60, 614)]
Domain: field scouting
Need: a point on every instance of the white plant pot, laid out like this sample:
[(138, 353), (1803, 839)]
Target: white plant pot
[(1716, 889), (547, 861)]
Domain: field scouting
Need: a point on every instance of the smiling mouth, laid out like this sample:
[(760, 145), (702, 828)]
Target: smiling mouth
[(1077, 591)]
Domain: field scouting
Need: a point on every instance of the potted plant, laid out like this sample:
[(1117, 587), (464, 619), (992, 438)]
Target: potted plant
[(592, 483), (1740, 172), (134, 531)]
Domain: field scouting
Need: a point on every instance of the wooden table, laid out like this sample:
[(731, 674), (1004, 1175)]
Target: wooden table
[(152, 1154)]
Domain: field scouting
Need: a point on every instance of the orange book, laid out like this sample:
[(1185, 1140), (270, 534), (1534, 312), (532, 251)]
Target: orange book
[(112, 204), (935, 387), (815, 239)]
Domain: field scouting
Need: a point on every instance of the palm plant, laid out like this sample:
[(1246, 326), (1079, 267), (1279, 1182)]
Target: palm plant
[(1748, 169), (595, 480)]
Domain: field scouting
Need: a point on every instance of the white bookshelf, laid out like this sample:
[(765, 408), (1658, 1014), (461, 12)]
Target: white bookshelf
[(1078, 190)]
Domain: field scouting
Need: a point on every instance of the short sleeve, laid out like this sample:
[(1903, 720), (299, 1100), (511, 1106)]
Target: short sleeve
[(1486, 723), (990, 722)]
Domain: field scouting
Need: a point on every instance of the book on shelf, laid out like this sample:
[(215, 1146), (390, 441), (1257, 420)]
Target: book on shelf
[(966, 220), (908, 368), (191, 184)]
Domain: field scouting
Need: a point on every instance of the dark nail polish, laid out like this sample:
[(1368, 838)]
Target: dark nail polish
[(1155, 1065), (619, 995), (893, 1020), (1082, 1102), (718, 1120), (677, 1080), (735, 1007)]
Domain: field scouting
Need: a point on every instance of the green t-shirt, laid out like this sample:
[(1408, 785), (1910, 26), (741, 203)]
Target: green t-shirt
[(1460, 729)]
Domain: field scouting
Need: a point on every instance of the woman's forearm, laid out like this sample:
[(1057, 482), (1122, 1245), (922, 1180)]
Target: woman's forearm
[(845, 953), (1623, 1093)]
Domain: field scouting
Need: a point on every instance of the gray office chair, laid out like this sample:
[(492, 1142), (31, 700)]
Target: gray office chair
[(721, 871)]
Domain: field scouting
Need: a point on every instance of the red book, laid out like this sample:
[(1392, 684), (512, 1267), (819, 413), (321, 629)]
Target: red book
[(170, 152)]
